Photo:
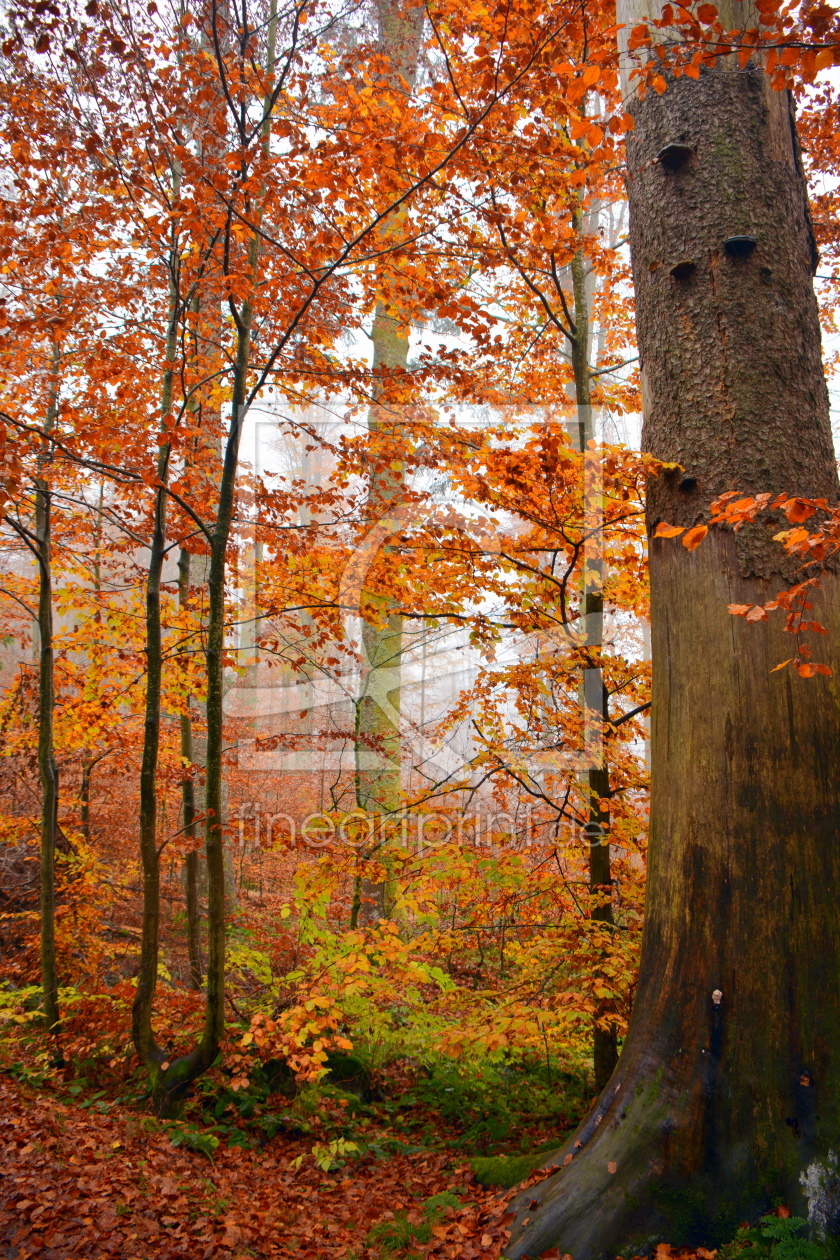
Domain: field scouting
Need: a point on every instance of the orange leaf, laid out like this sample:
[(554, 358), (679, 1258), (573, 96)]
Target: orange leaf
[(612, 1166), (797, 510), (738, 610), (827, 57), (706, 13), (658, 83), (781, 665), (695, 536), (664, 530), (591, 75), (757, 614)]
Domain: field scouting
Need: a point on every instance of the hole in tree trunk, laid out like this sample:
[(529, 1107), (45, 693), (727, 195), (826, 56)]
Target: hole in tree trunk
[(674, 156), (739, 246)]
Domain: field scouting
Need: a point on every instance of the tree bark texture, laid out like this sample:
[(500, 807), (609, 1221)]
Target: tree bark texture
[(729, 1083)]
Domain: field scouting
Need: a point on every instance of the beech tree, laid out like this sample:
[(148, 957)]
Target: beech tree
[(728, 1086)]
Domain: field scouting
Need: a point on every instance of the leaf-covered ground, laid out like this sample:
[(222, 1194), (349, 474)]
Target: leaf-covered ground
[(80, 1184), (75, 1181)]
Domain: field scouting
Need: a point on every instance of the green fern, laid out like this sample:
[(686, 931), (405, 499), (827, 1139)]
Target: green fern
[(776, 1238)]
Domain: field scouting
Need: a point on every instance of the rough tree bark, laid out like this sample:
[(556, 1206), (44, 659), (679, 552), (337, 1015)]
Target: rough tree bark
[(729, 1083)]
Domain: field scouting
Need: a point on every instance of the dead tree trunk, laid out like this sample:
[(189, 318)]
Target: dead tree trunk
[(729, 1083)]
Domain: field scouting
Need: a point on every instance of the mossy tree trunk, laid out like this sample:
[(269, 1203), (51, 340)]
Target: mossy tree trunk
[(729, 1082)]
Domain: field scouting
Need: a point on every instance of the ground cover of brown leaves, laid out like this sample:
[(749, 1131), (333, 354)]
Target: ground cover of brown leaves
[(102, 1187), (98, 1186)]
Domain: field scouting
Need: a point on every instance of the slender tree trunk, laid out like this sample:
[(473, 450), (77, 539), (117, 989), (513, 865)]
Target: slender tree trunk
[(150, 1053), (594, 692), (88, 759), (214, 828), (47, 767), (378, 741), (188, 807), (84, 795), (728, 1086)]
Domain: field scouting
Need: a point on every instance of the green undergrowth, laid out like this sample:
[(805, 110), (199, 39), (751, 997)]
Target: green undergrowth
[(500, 1111), (778, 1238), (397, 1236)]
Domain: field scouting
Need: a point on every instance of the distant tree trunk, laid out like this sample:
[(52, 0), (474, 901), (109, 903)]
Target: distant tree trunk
[(594, 692), (728, 1086), (378, 742)]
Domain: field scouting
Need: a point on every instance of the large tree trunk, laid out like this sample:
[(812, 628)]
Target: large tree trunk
[(729, 1083)]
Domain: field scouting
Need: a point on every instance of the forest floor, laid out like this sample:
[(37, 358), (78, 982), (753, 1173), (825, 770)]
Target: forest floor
[(79, 1183), (83, 1177)]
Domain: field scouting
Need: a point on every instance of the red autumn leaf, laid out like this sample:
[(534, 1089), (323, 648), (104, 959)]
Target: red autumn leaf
[(664, 530)]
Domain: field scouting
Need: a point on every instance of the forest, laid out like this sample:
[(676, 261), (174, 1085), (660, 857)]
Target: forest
[(420, 600)]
